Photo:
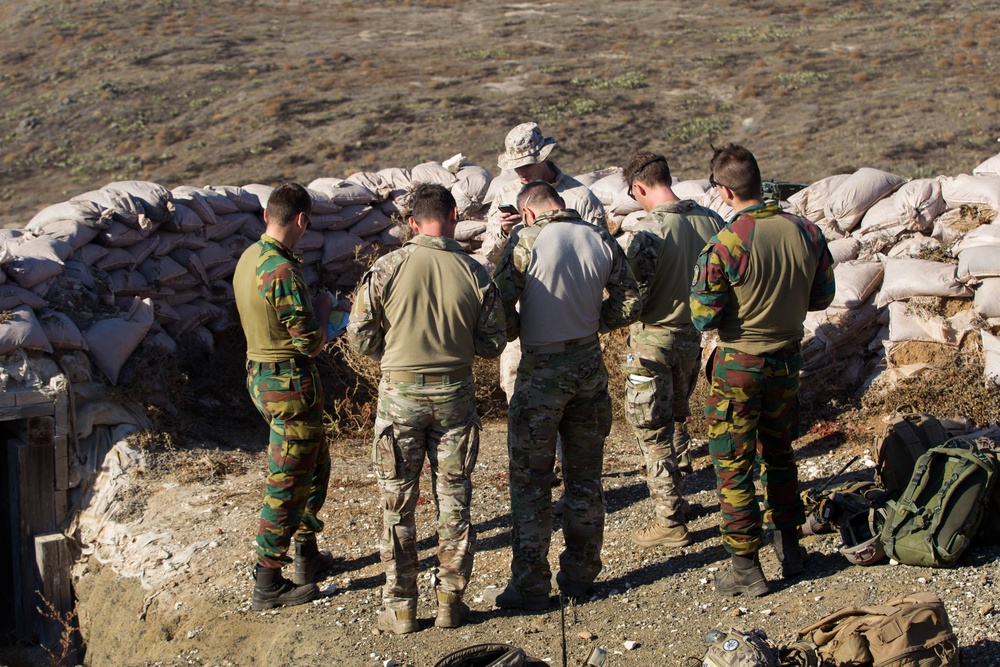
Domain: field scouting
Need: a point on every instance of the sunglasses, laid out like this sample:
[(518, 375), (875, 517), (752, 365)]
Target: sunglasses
[(658, 158), (715, 183)]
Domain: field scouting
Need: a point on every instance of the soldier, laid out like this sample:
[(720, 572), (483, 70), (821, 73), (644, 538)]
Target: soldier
[(284, 331), (664, 353), (754, 282), (557, 268), (526, 151), (425, 311)]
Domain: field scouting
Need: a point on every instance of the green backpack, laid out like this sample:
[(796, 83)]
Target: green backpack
[(939, 513)]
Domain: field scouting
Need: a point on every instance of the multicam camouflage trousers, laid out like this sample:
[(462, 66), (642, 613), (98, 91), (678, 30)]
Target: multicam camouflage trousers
[(752, 414), (438, 422), (290, 397), (661, 371), (566, 393)]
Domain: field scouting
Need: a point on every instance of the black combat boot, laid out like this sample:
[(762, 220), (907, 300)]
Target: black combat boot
[(310, 563), (788, 551), (743, 576), (273, 590)]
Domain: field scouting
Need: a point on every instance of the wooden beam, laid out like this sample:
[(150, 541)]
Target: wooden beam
[(53, 563)]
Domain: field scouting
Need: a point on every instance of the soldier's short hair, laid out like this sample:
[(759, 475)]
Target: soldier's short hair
[(539, 194), (287, 201), (431, 201), (734, 167), (647, 167)]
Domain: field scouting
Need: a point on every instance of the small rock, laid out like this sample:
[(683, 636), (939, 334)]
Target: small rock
[(765, 612), (737, 613), (375, 632), (585, 635), (391, 662), (921, 580), (631, 645), (987, 609)]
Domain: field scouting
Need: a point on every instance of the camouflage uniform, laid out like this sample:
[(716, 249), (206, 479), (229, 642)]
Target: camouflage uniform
[(561, 387), (663, 345), (277, 316), (431, 411), (754, 283)]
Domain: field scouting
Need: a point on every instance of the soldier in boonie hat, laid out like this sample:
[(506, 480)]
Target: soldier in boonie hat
[(525, 145)]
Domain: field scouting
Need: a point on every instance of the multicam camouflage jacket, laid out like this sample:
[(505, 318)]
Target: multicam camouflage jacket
[(725, 265), (620, 308), (367, 328), (662, 249)]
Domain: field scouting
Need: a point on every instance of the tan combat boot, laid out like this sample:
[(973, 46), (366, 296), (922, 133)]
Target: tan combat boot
[(452, 612), (398, 621), (656, 535)]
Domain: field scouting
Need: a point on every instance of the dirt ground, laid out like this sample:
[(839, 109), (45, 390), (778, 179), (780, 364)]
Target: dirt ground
[(186, 93)]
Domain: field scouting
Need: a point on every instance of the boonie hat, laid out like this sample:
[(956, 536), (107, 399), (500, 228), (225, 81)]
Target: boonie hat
[(525, 145)]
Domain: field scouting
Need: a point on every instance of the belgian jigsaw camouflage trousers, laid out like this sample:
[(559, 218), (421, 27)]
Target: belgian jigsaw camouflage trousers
[(563, 393), (289, 396), (661, 371), (438, 422), (752, 414)]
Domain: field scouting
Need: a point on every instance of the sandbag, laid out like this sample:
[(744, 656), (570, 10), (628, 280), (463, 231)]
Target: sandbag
[(982, 236), (713, 200), (186, 219), (966, 189), (86, 213), (261, 192), (166, 242), (162, 271), (951, 225), (72, 232), (128, 283), (907, 277), (373, 182), (470, 188), (918, 202), (12, 296), (196, 199), (844, 250), (115, 258), (991, 354), (120, 235), (229, 224), (500, 182), (217, 201), (112, 341), (914, 246), (373, 222), (907, 323), (245, 201), (341, 192), (988, 167), (157, 201), (693, 190), (141, 250), (882, 216), (61, 332), (434, 173), (339, 245), (611, 189), (20, 329), (987, 298), (856, 281), (588, 179), (975, 264), (125, 207), (847, 204), (37, 260), (392, 237), (466, 230), (810, 201)]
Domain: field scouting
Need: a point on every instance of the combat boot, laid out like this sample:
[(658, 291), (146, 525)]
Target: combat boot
[(452, 612), (310, 562), (576, 590), (682, 444), (788, 551), (656, 535), (398, 621), (743, 576), (511, 598), (273, 590)]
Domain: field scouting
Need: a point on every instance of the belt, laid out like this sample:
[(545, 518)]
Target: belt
[(556, 348), (429, 378), (280, 366)]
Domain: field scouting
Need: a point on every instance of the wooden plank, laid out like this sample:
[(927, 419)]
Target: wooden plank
[(61, 459), (26, 411), (62, 414), (35, 470), (7, 399), (31, 398), (52, 561)]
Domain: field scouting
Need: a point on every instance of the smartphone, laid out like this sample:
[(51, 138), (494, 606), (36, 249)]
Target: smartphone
[(509, 209)]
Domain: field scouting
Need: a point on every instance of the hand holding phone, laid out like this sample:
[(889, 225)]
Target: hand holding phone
[(509, 209)]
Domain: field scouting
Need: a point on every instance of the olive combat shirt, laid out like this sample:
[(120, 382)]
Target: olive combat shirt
[(273, 300), (427, 308), (757, 278), (662, 250)]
